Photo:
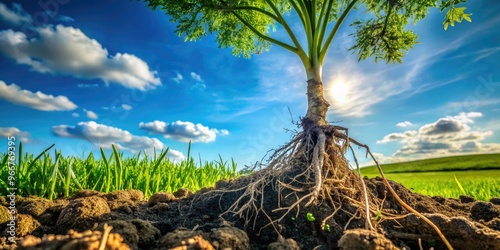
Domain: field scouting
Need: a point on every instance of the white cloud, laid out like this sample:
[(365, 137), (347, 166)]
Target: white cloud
[(126, 107), (75, 115), (404, 124), (183, 131), (91, 114), (404, 137), (77, 55), (196, 77), (16, 16), (13, 131), (39, 101), (103, 136), (450, 135), (178, 78)]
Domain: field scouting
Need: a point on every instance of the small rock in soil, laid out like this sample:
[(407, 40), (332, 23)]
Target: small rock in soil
[(161, 197), (362, 239), (484, 211)]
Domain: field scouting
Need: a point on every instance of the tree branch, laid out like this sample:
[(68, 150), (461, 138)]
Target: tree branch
[(267, 38), (285, 25), (324, 23), (334, 31)]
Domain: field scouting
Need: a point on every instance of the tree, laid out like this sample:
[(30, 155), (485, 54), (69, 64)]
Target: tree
[(246, 26)]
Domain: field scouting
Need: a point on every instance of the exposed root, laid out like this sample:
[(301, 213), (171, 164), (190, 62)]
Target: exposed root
[(312, 168)]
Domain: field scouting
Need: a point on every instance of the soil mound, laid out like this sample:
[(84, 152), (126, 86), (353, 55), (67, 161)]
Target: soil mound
[(197, 221)]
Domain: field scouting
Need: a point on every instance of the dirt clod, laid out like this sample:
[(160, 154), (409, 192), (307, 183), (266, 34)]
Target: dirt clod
[(89, 240), (161, 197), (466, 199), (495, 200), (126, 229), (25, 224), (484, 211), (34, 206), (148, 234), (361, 239), (81, 213), (229, 237), (183, 237), (182, 193), (284, 244)]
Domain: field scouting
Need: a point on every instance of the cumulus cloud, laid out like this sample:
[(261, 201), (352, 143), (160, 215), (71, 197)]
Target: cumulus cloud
[(183, 131), (404, 124), (75, 115), (13, 131), (405, 136), (126, 107), (103, 136), (449, 135), (76, 55), (39, 101), (91, 114), (15, 16), (178, 78), (196, 77)]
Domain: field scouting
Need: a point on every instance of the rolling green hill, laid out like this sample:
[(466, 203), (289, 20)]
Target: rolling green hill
[(452, 163)]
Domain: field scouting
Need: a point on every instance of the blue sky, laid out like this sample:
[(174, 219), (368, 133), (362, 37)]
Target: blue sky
[(86, 74)]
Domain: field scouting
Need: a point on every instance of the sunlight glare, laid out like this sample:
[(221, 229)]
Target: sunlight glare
[(339, 91)]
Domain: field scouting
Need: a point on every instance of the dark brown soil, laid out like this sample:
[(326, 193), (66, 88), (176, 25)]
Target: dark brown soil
[(192, 221)]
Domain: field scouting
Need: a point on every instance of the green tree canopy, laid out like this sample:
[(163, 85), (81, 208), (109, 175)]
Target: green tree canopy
[(246, 25)]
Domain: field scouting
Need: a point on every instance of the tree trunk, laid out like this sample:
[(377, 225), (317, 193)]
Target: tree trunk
[(317, 106)]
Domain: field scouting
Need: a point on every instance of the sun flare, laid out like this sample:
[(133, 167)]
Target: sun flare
[(339, 91)]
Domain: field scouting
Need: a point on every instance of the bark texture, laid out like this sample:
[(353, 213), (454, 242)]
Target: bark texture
[(317, 106)]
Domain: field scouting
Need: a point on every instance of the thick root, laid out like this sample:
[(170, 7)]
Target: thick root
[(312, 167)]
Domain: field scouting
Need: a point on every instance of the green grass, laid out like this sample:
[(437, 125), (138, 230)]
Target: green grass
[(452, 163), (480, 184), (53, 175), (473, 175)]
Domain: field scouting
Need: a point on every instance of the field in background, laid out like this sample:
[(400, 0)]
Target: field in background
[(51, 176), (479, 175)]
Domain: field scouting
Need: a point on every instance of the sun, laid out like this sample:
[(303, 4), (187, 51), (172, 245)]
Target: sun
[(339, 91)]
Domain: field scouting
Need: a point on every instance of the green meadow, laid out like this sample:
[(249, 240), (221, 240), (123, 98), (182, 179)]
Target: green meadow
[(51, 175), (473, 175)]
